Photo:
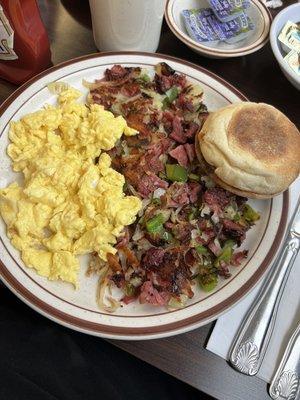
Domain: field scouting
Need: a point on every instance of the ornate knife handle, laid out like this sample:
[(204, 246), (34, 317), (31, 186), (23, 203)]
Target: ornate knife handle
[(249, 347), (286, 381)]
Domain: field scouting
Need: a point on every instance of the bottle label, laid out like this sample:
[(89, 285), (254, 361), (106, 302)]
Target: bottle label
[(6, 38)]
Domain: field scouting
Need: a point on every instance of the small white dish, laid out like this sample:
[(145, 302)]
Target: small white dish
[(258, 13), (291, 13)]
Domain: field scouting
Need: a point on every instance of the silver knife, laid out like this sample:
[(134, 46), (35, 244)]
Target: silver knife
[(286, 381), (252, 339)]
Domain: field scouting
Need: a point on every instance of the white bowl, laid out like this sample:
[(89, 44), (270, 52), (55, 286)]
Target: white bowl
[(291, 13), (258, 13)]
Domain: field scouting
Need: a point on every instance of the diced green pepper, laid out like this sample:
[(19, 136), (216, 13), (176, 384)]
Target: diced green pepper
[(156, 201), (194, 177), (208, 282), (165, 103), (155, 224), (201, 249), (226, 253), (249, 214), (176, 173), (162, 175), (229, 243), (136, 281), (193, 214), (129, 289), (237, 217), (171, 95), (176, 302), (145, 78)]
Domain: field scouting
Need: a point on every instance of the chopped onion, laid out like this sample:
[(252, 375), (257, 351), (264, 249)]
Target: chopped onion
[(138, 234), (158, 193), (163, 158), (131, 99), (218, 246), (136, 281), (132, 190), (102, 83), (102, 299), (209, 183), (128, 273), (230, 212), (144, 244), (122, 259), (174, 214), (204, 236), (166, 214), (125, 147), (91, 85), (194, 233), (103, 272), (161, 129), (146, 119), (215, 218), (205, 210), (145, 203)]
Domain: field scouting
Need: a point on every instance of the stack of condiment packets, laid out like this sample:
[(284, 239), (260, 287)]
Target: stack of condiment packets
[(273, 3), (224, 20), (290, 43)]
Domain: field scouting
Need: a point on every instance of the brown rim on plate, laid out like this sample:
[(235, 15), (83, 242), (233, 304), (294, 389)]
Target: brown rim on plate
[(258, 44), (98, 329)]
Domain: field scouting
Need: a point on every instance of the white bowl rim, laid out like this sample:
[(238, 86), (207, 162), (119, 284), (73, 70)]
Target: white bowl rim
[(259, 43), (275, 47)]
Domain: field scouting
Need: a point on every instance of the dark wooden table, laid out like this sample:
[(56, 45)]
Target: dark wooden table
[(260, 79)]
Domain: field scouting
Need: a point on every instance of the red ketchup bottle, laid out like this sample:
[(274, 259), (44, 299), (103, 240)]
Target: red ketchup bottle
[(24, 44)]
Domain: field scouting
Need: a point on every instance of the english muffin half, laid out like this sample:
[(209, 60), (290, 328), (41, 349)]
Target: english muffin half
[(250, 149)]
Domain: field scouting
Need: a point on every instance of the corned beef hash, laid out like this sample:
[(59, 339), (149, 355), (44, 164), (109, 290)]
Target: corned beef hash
[(189, 230)]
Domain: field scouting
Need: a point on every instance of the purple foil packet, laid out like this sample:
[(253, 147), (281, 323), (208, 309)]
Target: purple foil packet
[(233, 31), (202, 25), (198, 24), (226, 10)]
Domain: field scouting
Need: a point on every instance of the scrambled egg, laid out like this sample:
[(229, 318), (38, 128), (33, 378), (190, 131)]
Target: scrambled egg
[(67, 205)]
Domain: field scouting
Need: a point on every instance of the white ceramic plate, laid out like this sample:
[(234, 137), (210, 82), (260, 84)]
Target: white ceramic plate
[(258, 13), (77, 309)]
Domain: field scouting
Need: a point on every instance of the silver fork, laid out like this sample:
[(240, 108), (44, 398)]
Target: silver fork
[(286, 381), (252, 339)]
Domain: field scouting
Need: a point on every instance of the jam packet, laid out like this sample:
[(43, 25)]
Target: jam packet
[(202, 25), (290, 37), (293, 60), (226, 10)]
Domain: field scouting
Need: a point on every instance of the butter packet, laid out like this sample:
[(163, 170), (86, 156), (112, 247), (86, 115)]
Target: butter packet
[(226, 10), (290, 37), (202, 25), (293, 60), (198, 25), (235, 30)]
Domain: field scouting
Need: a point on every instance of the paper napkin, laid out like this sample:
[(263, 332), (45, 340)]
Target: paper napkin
[(288, 316)]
